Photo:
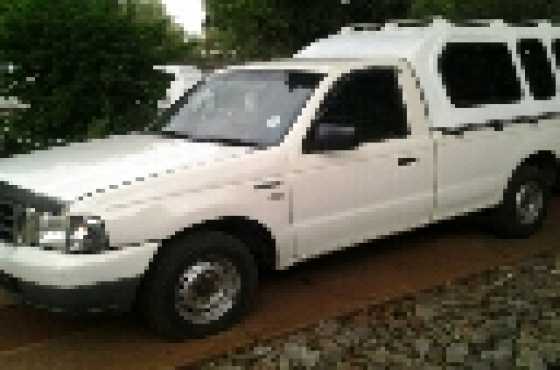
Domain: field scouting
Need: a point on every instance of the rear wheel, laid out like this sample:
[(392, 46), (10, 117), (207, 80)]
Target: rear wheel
[(201, 284), (524, 206)]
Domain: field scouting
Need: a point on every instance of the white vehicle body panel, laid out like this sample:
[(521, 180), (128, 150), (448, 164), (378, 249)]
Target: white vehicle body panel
[(474, 168), (71, 171), (52, 268), (345, 197)]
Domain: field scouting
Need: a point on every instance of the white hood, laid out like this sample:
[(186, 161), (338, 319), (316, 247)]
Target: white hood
[(70, 171)]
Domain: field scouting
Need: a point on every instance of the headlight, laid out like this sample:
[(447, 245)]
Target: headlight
[(87, 235), (69, 234)]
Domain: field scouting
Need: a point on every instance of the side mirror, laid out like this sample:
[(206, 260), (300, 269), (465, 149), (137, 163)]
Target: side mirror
[(332, 136)]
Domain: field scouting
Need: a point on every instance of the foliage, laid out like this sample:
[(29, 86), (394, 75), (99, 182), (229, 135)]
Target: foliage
[(85, 67), (263, 29), (509, 10)]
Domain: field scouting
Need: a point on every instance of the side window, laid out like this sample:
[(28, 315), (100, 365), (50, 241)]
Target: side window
[(538, 69), (556, 51), (369, 100), (476, 74)]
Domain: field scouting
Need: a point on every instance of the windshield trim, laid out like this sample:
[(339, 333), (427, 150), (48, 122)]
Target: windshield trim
[(201, 139)]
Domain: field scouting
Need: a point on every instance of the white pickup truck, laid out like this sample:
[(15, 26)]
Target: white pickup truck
[(363, 134)]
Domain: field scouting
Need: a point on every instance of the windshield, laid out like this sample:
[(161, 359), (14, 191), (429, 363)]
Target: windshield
[(244, 107)]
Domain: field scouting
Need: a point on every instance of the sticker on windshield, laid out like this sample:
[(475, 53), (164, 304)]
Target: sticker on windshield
[(273, 121)]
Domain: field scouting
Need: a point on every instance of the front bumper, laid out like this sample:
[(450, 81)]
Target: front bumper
[(71, 282), (101, 297)]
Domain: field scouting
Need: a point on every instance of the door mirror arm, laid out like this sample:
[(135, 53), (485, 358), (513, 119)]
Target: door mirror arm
[(332, 136)]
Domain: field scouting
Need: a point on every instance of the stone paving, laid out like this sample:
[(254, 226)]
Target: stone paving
[(506, 318)]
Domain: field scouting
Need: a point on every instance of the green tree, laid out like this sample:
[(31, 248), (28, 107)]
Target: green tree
[(263, 29), (85, 67), (509, 10)]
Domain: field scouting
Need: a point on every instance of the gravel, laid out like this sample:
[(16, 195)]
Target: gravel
[(506, 318)]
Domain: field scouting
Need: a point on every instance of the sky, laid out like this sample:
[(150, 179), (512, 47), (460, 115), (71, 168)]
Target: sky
[(187, 13)]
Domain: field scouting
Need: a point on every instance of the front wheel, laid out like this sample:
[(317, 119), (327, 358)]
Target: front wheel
[(524, 206), (200, 284)]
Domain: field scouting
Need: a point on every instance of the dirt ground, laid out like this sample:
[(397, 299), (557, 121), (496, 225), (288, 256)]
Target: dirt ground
[(319, 289)]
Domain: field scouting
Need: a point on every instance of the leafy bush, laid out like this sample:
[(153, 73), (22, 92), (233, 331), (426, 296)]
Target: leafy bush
[(509, 10), (262, 29), (85, 67)]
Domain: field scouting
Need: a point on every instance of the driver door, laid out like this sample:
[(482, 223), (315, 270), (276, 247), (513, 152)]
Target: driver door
[(381, 182)]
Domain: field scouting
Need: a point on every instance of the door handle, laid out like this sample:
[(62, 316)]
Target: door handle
[(272, 184), (407, 161)]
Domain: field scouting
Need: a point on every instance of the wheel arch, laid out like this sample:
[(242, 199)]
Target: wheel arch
[(257, 236), (254, 234), (545, 160)]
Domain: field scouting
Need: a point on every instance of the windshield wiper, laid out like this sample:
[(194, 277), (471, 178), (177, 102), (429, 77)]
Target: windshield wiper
[(175, 135), (220, 140), (226, 141)]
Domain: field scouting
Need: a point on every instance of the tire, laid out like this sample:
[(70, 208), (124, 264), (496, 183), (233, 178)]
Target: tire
[(515, 217), (210, 266)]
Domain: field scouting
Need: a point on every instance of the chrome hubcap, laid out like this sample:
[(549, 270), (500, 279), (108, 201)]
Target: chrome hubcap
[(529, 202), (207, 290)]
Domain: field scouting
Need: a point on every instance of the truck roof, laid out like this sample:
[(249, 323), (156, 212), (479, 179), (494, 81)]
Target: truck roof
[(317, 64), (364, 45)]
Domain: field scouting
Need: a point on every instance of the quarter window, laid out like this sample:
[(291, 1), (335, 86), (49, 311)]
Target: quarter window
[(476, 74), (538, 69)]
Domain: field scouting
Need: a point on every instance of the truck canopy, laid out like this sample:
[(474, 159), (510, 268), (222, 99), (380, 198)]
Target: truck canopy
[(422, 44)]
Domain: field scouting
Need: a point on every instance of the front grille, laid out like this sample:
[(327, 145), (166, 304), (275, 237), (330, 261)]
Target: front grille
[(7, 221), (13, 202)]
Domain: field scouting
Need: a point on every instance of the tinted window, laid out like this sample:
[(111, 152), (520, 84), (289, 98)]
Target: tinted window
[(369, 100), (479, 73), (538, 70), (556, 51)]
